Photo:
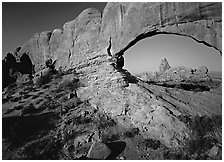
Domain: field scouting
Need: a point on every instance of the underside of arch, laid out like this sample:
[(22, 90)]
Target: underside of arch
[(153, 33), (127, 23)]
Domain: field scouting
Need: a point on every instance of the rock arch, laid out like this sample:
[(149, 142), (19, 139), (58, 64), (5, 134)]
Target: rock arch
[(127, 23), (120, 26)]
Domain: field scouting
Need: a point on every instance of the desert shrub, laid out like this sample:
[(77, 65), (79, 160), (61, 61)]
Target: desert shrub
[(82, 120), (184, 118), (60, 72), (68, 84), (131, 133), (48, 104), (205, 133), (151, 143), (44, 79), (103, 121), (72, 104), (174, 155), (107, 138), (28, 87), (47, 148), (201, 127)]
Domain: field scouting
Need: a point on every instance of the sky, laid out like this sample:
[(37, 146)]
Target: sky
[(20, 21)]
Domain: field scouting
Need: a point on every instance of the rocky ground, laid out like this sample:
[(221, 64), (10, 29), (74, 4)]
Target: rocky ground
[(47, 120)]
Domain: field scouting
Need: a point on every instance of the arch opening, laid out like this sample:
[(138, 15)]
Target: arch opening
[(145, 53)]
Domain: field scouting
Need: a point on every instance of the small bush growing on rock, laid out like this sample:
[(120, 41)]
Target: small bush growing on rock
[(82, 120), (43, 149), (107, 138), (131, 133), (69, 84), (206, 132), (105, 122), (151, 143), (44, 79)]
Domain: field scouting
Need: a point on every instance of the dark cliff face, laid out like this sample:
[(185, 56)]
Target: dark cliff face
[(11, 68), (91, 41)]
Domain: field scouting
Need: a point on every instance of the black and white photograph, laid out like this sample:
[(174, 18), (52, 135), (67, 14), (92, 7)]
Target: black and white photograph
[(111, 80)]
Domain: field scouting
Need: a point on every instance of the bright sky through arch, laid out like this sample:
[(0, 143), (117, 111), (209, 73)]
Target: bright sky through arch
[(146, 54)]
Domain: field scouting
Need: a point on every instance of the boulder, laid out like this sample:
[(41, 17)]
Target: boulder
[(213, 151), (99, 151)]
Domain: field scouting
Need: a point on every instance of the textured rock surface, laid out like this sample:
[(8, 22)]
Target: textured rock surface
[(48, 122), (90, 43), (164, 65)]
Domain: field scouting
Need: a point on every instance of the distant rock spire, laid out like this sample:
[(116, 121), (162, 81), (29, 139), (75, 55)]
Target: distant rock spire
[(164, 66)]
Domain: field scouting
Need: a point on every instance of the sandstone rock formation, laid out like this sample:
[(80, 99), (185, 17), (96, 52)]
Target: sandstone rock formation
[(91, 41), (120, 26), (164, 65), (176, 74), (126, 23)]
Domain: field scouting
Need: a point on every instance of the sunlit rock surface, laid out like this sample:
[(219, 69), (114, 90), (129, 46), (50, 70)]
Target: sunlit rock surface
[(84, 51)]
